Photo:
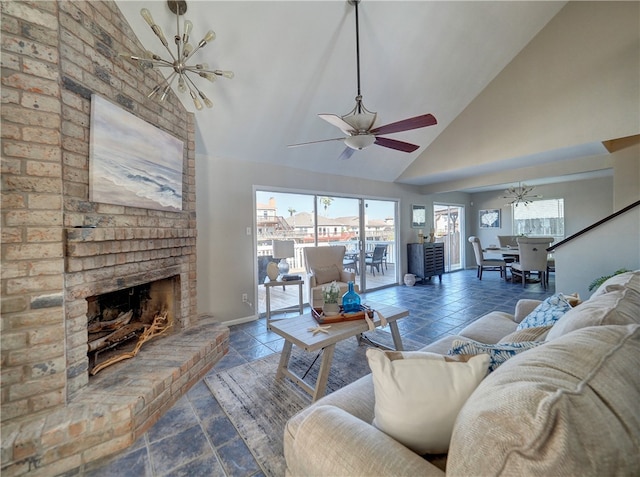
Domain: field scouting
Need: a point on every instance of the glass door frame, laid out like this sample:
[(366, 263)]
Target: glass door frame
[(362, 233), (450, 239), (361, 242), (364, 242)]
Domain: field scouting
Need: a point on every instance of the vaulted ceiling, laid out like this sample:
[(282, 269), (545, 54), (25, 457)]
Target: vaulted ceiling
[(295, 59)]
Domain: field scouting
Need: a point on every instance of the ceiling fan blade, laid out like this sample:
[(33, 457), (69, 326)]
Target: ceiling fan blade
[(316, 142), (347, 153), (406, 124), (338, 122), (395, 144)]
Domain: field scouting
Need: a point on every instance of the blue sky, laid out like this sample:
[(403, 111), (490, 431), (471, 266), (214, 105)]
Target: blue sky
[(339, 207)]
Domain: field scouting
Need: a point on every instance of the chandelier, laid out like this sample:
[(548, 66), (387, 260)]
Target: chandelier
[(520, 195), (178, 62)]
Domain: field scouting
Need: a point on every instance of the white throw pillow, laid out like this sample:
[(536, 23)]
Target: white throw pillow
[(419, 394), (327, 274)]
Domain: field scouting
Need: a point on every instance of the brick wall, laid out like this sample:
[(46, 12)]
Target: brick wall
[(54, 56)]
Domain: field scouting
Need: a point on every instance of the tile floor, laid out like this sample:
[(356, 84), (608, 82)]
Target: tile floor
[(195, 437)]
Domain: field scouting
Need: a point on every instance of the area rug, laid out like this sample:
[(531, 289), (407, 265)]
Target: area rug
[(259, 406)]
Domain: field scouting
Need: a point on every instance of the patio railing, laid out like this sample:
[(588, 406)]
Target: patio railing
[(296, 263)]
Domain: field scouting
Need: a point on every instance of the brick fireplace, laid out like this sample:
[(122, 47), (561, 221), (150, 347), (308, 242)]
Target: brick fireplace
[(59, 249), (106, 260)]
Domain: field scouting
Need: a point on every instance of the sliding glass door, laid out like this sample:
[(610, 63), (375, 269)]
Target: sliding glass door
[(448, 222), (366, 227)]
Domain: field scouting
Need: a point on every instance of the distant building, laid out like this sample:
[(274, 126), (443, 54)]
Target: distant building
[(301, 227)]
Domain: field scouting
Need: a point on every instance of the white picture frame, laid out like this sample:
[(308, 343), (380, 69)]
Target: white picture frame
[(490, 218), (418, 216)]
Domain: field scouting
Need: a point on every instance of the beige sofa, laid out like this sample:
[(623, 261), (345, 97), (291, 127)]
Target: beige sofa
[(570, 406)]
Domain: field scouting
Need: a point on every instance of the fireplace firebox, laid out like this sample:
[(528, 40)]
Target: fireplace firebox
[(119, 322)]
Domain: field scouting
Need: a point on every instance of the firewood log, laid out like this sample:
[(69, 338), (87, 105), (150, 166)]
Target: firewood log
[(162, 323), (119, 322), (118, 335)]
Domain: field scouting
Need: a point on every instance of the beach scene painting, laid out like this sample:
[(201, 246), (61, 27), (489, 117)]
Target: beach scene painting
[(132, 162)]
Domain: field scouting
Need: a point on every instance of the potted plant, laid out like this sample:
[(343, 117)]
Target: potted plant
[(599, 281), (330, 295)]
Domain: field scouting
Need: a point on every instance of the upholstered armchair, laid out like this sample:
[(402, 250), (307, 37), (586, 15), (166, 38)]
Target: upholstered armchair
[(325, 265)]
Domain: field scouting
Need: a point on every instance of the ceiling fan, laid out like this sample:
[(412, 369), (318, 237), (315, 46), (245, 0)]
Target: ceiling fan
[(358, 123)]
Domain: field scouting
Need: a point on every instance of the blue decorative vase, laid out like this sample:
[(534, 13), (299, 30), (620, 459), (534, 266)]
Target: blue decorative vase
[(350, 300)]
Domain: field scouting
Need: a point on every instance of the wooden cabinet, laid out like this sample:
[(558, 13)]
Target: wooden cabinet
[(426, 260)]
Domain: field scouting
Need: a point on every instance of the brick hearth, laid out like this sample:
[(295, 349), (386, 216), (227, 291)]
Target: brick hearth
[(121, 403)]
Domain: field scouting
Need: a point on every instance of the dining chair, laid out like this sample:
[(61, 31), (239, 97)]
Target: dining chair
[(508, 241), (533, 258), (491, 264), (551, 266)]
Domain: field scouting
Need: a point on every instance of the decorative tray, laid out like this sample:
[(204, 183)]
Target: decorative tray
[(359, 315)]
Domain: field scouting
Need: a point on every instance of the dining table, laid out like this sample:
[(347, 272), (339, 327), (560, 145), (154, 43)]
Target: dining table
[(511, 252), (504, 251)]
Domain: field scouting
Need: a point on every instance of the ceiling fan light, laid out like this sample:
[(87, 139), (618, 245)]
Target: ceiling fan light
[(360, 121), (360, 141)]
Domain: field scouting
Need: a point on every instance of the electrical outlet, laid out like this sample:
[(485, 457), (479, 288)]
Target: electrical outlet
[(245, 298)]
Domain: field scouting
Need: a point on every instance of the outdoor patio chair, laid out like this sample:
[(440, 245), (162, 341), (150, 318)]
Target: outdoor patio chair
[(376, 259)]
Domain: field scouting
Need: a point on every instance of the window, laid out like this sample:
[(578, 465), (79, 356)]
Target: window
[(541, 218)]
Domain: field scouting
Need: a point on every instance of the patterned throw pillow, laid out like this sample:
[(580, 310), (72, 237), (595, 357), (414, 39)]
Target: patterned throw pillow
[(498, 353), (546, 313)]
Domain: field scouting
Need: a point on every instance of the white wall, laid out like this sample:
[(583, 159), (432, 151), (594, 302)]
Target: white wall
[(599, 252), (585, 202), (576, 82), (225, 208), (226, 262)]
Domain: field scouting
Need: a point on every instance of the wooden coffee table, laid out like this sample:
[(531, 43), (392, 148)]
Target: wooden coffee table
[(295, 332)]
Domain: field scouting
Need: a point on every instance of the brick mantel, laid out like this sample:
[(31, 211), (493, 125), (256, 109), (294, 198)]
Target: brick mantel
[(111, 248)]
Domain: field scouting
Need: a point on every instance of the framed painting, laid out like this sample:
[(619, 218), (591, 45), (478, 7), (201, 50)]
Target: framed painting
[(132, 162), (418, 216), (490, 219)]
